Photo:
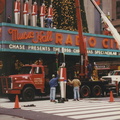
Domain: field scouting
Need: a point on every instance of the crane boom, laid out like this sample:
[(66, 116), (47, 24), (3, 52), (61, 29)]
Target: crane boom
[(82, 42), (112, 29)]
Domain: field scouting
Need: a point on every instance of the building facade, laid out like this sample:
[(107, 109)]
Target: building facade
[(28, 43), (110, 7)]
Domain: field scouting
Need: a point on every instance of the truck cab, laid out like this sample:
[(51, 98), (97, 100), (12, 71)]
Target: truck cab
[(27, 83), (113, 79)]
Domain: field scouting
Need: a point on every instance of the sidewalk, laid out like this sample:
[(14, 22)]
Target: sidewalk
[(8, 117), (12, 114)]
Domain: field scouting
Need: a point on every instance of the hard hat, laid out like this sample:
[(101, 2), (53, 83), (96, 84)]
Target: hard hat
[(53, 75)]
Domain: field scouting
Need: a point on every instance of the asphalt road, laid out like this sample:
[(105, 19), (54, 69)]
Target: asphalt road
[(12, 114), (9, 117), (85, 109)]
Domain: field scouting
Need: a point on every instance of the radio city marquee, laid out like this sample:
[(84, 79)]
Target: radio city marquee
[(56, 40), (66, 50)]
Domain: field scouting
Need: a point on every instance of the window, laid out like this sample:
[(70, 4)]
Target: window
[(37, 70), (25, 70), (118, 9)]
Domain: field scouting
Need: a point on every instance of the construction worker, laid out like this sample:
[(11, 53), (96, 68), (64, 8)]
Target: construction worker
[(18, 66), (53, 84), (89, 69), (76, 87), (49, 18), (9, 19), (39, 62)]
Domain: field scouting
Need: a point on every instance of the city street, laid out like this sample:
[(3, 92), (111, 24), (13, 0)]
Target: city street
[(85, 109), (63, 49)]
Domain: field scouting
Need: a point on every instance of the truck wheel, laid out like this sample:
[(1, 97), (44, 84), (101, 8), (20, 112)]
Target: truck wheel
[(96, 91), (85, 91), (11, 97), (28, 94)]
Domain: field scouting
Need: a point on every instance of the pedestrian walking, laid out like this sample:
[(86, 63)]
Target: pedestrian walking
[(53, 84), (76, 86)]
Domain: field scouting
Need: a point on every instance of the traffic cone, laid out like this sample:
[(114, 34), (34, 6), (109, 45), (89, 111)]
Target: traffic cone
[(16, 105), (111, 97)]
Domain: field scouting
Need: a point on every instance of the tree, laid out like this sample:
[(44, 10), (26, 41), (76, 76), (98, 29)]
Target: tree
[(65, 14), (83, 15)]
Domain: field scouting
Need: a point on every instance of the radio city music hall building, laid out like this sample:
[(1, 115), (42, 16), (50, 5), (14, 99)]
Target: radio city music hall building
[(30, 43)]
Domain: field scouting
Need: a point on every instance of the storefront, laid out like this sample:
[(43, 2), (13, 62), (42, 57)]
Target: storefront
[(28, 44)]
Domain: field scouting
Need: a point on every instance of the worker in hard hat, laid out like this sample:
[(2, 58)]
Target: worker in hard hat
[(53, 84)]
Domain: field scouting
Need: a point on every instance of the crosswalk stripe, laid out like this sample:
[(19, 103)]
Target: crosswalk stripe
[(62, 108), (88, 112), (75, 109), (117, 117), (81, 110), (94, 115), (69, 105)]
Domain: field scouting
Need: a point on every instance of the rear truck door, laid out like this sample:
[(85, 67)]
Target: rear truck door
[(38, 78)]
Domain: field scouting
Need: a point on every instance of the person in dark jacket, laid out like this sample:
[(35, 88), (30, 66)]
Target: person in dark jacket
[(53, 84), (9, 19), (89, 68)]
